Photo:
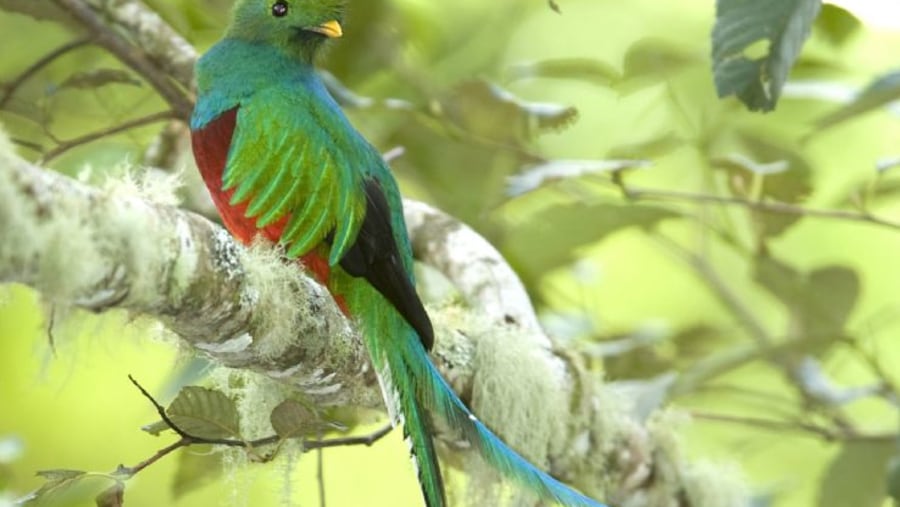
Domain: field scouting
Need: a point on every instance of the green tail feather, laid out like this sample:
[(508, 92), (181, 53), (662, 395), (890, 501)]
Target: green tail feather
[(418, 436), (414, 389)]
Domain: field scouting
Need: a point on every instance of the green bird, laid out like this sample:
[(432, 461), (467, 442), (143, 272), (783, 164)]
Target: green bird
[(282, 161)]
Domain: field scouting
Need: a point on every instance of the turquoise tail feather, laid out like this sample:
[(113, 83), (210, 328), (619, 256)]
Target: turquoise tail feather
[(436, 396), (414, 390)]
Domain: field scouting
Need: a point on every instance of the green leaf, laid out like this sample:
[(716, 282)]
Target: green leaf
[(156, 428), (741, 161), (39, 11), (291, 419), (197, 465), (741, 27), (537, 246), (881, 91), (820, 302), (766, 157), (490, 112), (69, 487), (205, 413), (836, 24), (555, 170), (582, 69), (649, 148), (651, 60), (856, 476)]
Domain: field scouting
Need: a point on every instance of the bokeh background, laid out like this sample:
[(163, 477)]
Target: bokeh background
[(777, 333)]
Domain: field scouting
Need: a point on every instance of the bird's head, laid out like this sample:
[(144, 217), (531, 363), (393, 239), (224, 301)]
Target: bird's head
[(299, 27)]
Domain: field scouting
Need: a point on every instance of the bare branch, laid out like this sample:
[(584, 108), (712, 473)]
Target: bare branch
[(779, 208), (129, 54), (47, 59), (90, 137), (824, 432)]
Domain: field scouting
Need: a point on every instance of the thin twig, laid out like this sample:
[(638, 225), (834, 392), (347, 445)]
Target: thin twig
[(100, 134), (174, 427), (27, 144), (165, 451), (829, 434), (12, 87), (131, 55), (366, 440), (781, 208)]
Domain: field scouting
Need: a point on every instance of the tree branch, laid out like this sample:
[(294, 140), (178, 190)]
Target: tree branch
[(133, 56), (103, 249)]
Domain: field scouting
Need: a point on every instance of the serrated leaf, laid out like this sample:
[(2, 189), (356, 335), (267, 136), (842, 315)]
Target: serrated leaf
[(555, 170), (880, 92), (291, 419), (205, 413), (742, 25), (856, 476), (490, 112), (581, 69), (197, 465), (836, 24), (98, 78)]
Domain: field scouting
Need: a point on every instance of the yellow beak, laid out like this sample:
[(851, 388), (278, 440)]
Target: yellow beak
[(331, 29)]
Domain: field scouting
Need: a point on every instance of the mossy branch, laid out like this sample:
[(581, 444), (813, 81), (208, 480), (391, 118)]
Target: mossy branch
[(100, 249), (112, 248)]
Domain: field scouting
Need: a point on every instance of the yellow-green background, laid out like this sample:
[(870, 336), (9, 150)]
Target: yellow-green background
[(77, 410)]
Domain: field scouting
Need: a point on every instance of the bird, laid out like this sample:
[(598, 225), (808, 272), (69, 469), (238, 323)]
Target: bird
[(282, 161)]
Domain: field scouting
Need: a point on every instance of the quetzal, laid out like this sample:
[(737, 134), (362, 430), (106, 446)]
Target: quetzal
[(281, 160)]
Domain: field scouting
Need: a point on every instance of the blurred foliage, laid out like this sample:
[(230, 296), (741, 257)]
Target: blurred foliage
[(738, 266)]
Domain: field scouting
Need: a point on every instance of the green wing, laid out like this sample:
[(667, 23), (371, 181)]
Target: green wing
[(292, 155)]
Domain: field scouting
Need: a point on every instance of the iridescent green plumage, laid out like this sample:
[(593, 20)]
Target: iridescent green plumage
[(281, 160)]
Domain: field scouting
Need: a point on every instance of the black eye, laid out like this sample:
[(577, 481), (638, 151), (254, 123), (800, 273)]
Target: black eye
[(280, 9)]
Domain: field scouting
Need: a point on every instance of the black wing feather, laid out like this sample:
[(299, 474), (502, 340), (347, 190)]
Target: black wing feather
[(375, 256)]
